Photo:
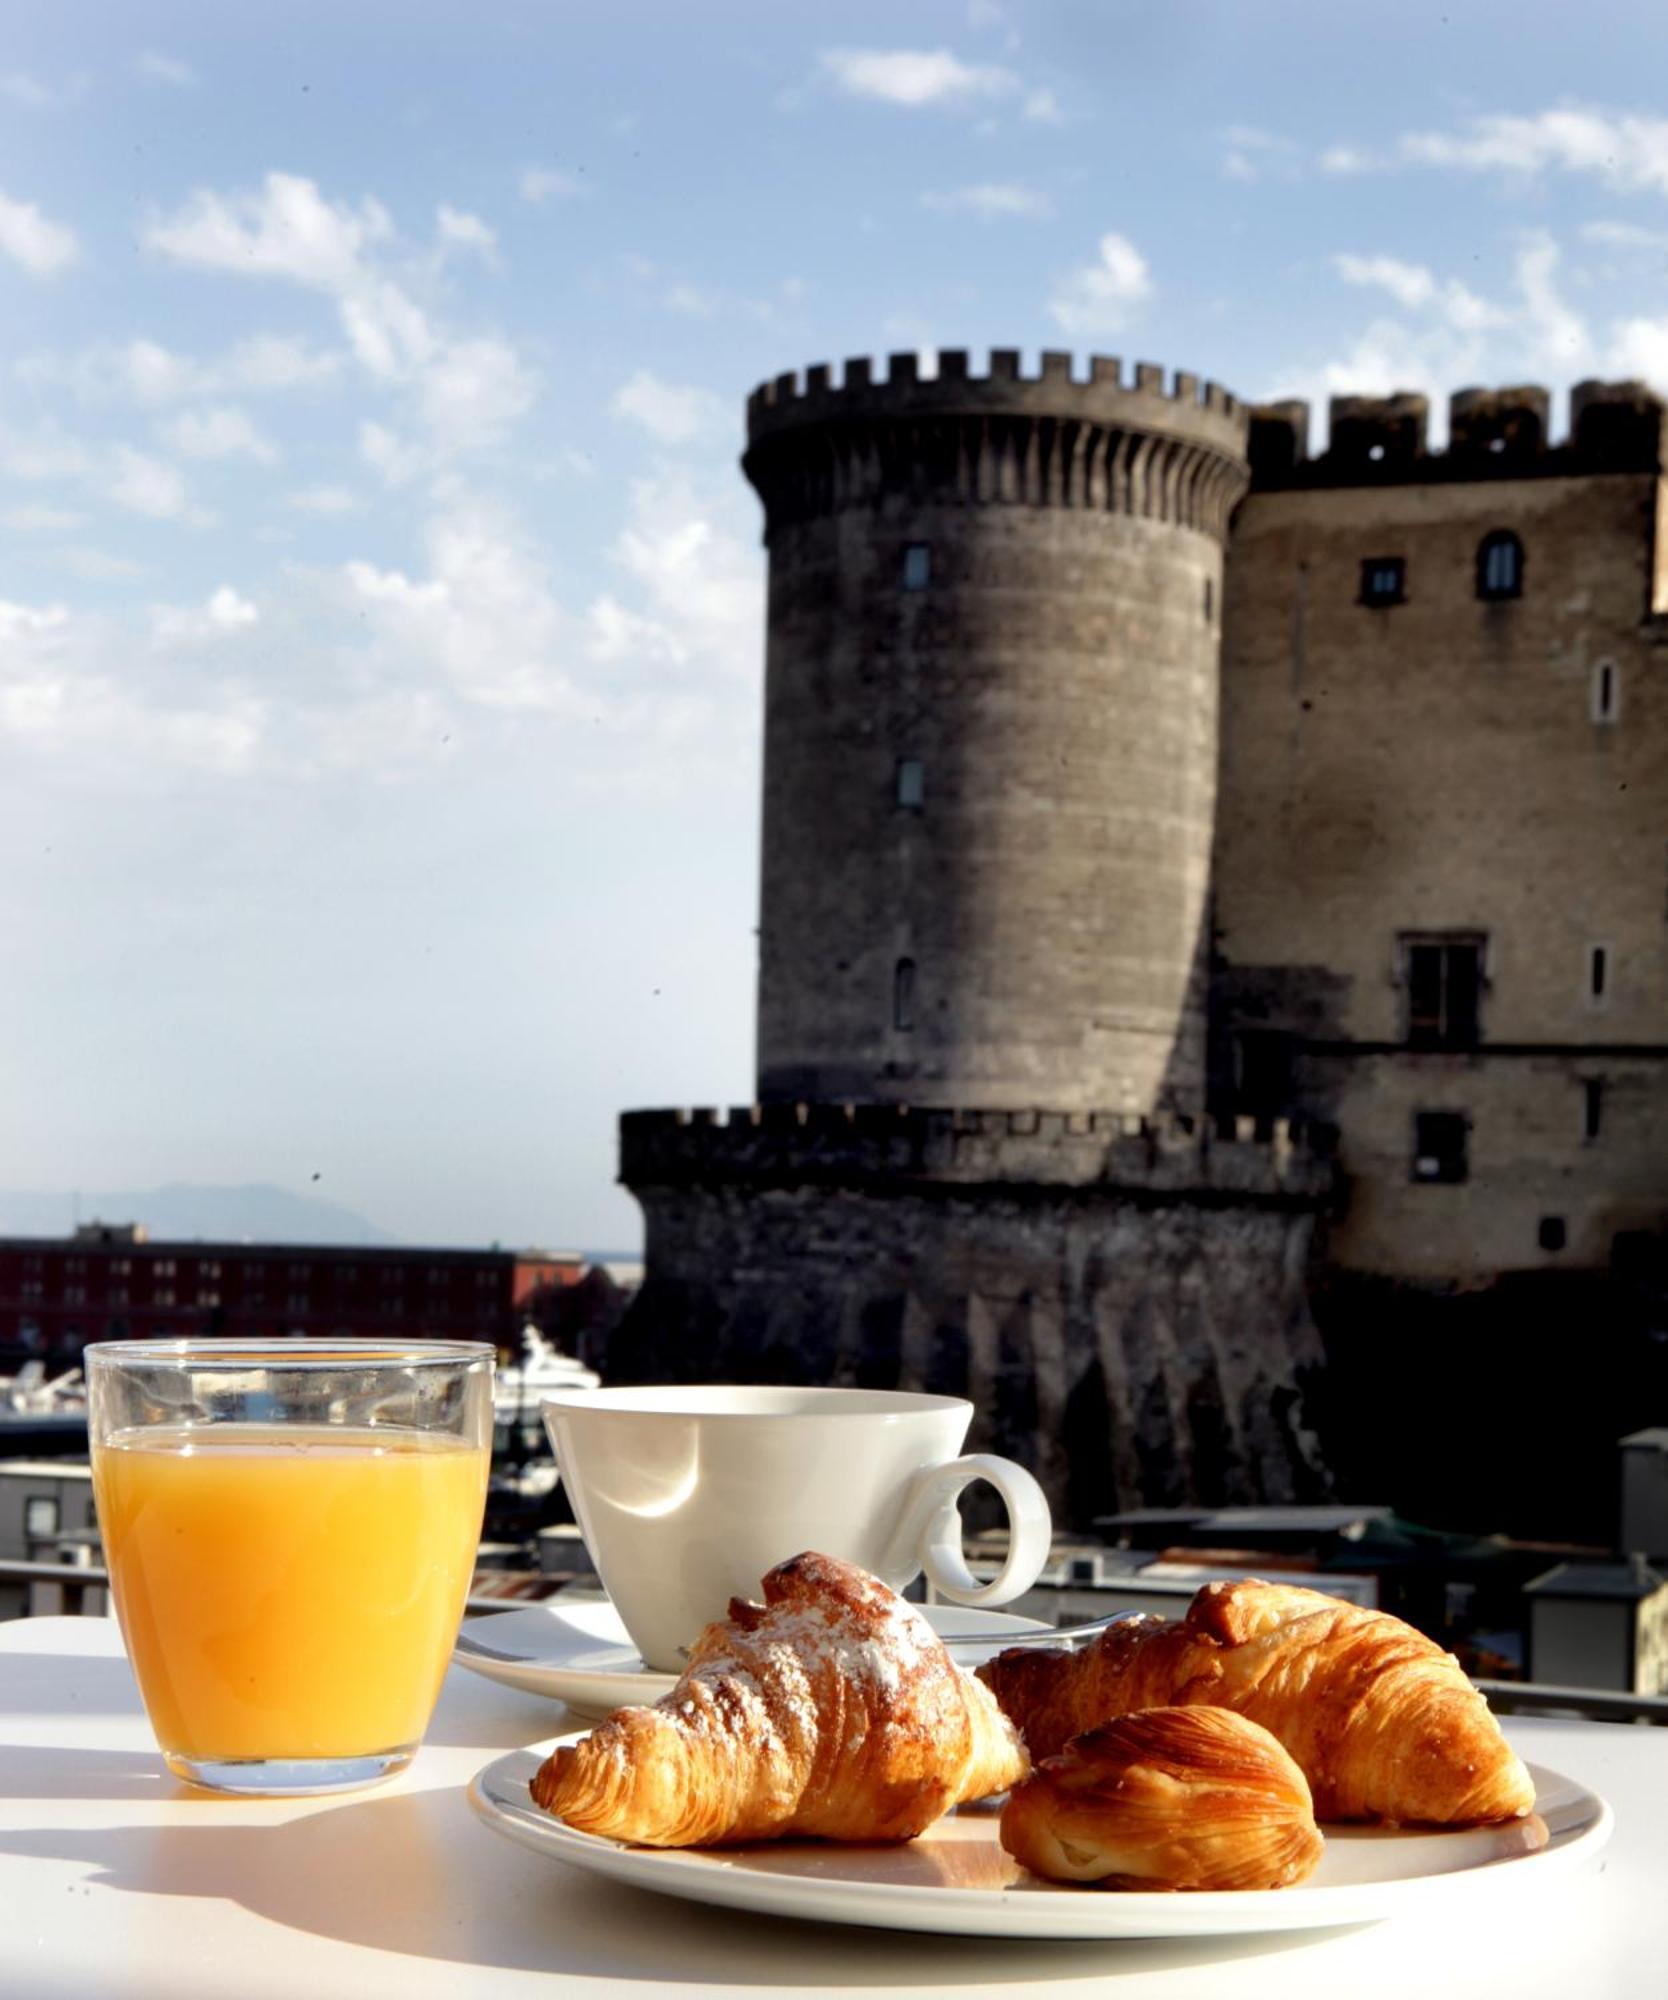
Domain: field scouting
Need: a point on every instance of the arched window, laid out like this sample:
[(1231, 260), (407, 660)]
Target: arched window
[(1499, 566), (903, 995)]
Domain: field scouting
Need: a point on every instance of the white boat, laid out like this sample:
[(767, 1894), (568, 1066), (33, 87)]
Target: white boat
[(30, 1393), (543, 1370)]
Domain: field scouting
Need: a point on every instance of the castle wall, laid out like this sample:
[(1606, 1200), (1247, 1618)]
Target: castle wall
[(1124, 1304), (1435, 769), (1051, 682)]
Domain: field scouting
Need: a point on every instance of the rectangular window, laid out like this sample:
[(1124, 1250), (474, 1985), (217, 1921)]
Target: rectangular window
[(1265, 1072), (163, 1295), (903, 995), (1607, 692), (118, 1295), (40, 1517), (1592, 1108), (75, 1295), (1598, 974), (917, 565), (163, 1267), (1552, 1234), (912, 784), (1383, 580), (1439, 1147), (120, 1266), (1443, 978)]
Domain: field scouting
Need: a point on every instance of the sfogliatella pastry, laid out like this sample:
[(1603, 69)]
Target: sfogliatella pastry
[(831, 1711), (1167, 1798), (1382, 1722)]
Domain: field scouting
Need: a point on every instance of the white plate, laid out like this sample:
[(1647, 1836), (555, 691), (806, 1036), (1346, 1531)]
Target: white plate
[(957, 1878), (579, 1653)]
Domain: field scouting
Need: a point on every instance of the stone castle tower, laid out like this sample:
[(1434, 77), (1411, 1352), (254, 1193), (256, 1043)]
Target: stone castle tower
[(979, 1161)]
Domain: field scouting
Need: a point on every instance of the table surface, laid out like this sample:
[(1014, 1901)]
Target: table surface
[(115, 1880)]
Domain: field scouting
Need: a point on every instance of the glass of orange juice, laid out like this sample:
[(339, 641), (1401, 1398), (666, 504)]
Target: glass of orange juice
[(290, 1528)]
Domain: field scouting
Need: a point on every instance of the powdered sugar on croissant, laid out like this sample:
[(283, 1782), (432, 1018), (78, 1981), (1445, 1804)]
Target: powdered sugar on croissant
[(831, 1710)]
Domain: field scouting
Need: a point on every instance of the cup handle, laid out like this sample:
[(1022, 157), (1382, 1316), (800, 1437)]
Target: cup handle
[(929, 1534)]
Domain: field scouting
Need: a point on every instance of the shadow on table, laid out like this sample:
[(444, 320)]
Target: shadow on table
[(30, 1771), (412, 1874), (70, 1684)]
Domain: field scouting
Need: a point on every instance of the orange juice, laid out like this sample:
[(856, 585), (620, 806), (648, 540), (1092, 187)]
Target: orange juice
[(288, 1591)]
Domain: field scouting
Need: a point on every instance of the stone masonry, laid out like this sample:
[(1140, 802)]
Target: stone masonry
[(980, 1161)]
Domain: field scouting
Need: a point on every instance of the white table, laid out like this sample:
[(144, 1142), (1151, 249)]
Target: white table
[(117, 1881)]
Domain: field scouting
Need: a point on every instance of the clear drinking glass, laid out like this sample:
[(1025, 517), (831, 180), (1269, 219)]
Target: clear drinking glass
[(290, 1528)]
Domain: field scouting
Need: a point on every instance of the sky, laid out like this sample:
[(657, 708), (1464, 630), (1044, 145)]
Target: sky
[(381, 604)]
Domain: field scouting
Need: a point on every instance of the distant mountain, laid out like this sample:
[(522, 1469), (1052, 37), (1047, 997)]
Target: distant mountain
[(257, 1213)]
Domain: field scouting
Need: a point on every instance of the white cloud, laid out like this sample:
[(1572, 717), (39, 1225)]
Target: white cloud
[(100, 565), (458, 230), (156, 68), (326, 501), (992, 201), (700, 581), (1626, 151), (1410, 285), (223, 614), (1042, 107), (41, 520), (151, 488), (671, 412), (1347, 160), (42, 247), (465, 391), (1251, 154), (541, 184), (71, 688), (914, 77), (47, 456), (34, 95), (1101, 297), (396, 459), (1623, 150), (288, 230), (1625, 236), (145, 372), (485, 616), (1445, 335), (223, 432)]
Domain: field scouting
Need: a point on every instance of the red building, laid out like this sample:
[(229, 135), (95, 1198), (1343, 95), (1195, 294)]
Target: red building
[(114, 1283)]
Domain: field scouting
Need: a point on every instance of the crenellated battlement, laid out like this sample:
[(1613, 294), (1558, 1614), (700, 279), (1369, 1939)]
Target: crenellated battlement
[(903, 1145), (1163, 447), (814, 395), (1492, 434)]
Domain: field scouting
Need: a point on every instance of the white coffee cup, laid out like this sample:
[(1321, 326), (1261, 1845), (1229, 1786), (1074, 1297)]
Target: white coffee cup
[(687, 1496)]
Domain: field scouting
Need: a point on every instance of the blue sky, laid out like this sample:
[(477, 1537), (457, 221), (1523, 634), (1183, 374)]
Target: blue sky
[(380, 604)]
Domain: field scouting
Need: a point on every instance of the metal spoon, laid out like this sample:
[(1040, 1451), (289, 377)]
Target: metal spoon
[(1051, 1637)]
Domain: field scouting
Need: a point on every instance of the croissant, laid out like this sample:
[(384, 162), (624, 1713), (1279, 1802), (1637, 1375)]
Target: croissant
[(1382, 1722), (831, 1710), (1169, 1798)]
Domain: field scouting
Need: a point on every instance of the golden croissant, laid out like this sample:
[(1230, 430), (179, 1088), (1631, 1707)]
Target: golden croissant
[(1382, 1722), (832, 1711), (1168, 1798)]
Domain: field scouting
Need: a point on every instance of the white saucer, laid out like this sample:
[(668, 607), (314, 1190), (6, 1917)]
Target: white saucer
[(577, 1651), (956, 1877)]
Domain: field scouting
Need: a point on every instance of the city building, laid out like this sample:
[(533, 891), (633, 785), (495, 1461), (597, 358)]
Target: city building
[(1206, 891), (113, 1282)]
